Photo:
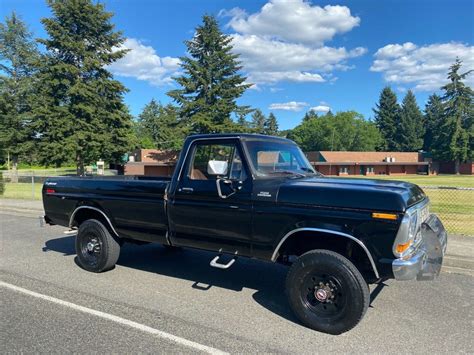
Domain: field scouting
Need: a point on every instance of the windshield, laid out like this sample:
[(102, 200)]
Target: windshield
[(269, 158)]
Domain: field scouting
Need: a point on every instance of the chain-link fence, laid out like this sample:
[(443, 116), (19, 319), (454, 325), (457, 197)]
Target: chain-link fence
[(28, 185), (454, 205)]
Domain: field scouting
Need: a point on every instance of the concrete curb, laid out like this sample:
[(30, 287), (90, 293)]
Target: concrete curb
[(458, 259)]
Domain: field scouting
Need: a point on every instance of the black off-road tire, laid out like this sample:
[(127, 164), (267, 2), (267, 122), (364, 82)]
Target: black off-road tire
[(105, 251), (350, 295)]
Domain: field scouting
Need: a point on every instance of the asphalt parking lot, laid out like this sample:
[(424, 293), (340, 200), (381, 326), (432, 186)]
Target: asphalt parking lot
[(157, 300)]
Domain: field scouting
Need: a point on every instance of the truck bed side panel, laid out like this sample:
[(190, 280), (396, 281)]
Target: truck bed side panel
[(136, 208)]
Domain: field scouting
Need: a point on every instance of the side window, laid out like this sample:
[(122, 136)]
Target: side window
[(211, 161)]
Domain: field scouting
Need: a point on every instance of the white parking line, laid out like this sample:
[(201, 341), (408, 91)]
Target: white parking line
[(120, 320)]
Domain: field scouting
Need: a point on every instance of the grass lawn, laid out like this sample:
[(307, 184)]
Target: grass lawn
[(22, 191), (455, 207)]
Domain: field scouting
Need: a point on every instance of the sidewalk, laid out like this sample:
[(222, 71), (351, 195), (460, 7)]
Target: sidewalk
[(458, 259), (29, 206)]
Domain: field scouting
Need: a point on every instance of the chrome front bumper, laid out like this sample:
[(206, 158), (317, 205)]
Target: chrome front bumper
[(425, 262)]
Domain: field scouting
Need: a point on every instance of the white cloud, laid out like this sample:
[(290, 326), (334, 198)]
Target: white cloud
[(143, 63), (275, 89), (321, 108), (294, 21), (271, 55), (284, 41), (422, 68), (288, 106)]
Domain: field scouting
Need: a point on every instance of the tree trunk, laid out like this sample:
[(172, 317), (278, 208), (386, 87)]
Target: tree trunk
[(80, 166), (456, 166), (14, 171)]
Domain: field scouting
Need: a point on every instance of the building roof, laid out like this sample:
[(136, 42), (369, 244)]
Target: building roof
[(365, 157)]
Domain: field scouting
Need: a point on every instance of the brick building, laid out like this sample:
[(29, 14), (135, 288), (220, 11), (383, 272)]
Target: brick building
[(369, 163), (153, 162), (449, 167)]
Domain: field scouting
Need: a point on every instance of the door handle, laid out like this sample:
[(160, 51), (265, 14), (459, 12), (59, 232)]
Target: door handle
[(187, 189)]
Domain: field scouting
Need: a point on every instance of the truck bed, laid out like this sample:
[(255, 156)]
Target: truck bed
[(134, 204)]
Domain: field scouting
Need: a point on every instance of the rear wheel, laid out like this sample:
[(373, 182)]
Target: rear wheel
[(327, 292), (97, 250)]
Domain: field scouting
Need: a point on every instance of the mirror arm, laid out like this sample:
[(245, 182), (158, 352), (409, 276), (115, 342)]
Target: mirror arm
[(219, 191)]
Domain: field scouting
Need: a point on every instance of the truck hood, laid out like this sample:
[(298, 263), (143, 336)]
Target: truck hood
[(370, 194)]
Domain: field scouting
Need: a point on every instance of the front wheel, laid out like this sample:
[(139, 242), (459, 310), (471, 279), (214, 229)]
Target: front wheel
[(97, 250), (327, 292)]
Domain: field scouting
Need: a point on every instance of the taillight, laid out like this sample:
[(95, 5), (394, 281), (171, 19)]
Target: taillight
[(50, 191)]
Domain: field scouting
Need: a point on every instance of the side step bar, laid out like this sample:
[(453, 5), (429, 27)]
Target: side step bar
[(216, 264)]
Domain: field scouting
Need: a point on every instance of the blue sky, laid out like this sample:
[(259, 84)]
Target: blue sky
[(300, 54)]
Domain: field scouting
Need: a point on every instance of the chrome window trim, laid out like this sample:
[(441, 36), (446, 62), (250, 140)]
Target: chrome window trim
[(329, 231), (71, 220)]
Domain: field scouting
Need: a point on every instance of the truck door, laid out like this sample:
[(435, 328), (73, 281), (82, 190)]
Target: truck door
[(211, 208)]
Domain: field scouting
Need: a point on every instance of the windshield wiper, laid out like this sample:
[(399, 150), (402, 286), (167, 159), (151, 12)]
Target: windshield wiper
[(307, 170), (311, 171)]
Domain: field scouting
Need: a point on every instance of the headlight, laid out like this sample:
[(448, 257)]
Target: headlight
[(413, 227), (406, 234)]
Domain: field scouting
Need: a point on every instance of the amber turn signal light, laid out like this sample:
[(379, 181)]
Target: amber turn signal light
[(390, 216), (402, 247)]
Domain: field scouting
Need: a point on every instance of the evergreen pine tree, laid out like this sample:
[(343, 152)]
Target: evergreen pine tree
[(270, 127), (387, 117), (258, 122), (456, 138), (18, 64), (80, 114), (434, 112), (411, 130), (310, 115), (211, 83), (243, 126)]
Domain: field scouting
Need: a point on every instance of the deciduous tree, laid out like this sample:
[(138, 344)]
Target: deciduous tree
[(160, 126), (347, 131)]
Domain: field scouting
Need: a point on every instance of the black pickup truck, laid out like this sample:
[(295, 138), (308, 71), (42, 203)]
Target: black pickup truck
[(258, 196)]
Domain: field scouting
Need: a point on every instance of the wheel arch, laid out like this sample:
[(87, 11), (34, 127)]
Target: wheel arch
[(83, 213), (328, 235)]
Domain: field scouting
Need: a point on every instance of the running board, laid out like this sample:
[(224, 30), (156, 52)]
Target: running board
[(218, 265)]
